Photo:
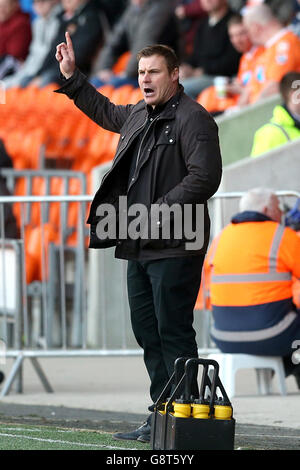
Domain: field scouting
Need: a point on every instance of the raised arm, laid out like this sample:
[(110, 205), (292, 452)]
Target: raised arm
[(95, 105)]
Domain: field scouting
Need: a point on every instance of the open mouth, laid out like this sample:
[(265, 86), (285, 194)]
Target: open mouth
[(148, 92)]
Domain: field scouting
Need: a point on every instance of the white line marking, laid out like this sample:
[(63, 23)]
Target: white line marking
[(267, 435), (65, 431), (23, 429), (58, 441)]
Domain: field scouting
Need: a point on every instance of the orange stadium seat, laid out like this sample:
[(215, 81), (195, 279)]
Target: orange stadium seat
[(121, 63), (106, 90), (121, 95), (135, 96)]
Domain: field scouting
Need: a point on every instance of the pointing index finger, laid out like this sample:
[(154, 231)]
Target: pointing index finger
[(69, 43)]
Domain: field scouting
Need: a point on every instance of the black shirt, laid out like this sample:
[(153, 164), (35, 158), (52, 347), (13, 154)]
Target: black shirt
[(213, 51), (129, 248)]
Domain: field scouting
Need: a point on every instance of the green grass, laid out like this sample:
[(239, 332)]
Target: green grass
[(26, 437)]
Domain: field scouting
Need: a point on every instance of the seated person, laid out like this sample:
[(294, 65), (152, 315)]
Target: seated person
[(82, 20), (284, 126), (112, 9), (188, 12), (44, 29), (15, 36), (281, 55), (252, 263), (143, 23), (239, 38), (213, 54)]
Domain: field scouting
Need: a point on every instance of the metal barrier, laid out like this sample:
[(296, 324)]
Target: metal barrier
[(46, 323)]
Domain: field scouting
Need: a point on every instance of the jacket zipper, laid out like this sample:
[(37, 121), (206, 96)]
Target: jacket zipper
[(142, 141), (109, 171)]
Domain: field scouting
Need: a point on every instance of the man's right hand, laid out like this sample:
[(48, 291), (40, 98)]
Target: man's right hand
[(66, 57)]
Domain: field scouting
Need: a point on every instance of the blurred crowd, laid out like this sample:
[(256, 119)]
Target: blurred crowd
[(232, 52), (251, 43)]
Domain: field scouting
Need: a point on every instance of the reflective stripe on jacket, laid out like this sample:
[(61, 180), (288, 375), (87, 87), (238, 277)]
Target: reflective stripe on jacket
[(251, 280), (253, 264)]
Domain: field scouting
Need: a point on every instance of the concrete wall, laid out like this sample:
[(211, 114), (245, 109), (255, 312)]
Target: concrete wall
[(236, 130), (278, 169)]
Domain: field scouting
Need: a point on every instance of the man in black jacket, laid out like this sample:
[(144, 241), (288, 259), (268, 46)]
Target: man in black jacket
[(168, 157)]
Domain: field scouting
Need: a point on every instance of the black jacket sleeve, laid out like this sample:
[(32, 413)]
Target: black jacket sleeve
[(95, 105)]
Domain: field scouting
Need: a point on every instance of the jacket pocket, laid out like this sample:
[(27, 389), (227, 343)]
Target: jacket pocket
[(166, 137)]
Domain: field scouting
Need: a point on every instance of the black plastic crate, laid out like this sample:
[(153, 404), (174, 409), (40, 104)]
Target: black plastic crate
[(170, 432)]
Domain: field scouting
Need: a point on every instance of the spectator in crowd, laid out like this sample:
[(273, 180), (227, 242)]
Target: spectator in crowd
[(252, 263), (213, 53), (284, 126), (15, 36), (283, 10), (188, 12), (113, 10), (44, 29), (239, 37), (282, 53), (82, 20), (144, 22)]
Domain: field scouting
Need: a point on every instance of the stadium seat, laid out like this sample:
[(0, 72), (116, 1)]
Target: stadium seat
[(121, 63), (231, 363)]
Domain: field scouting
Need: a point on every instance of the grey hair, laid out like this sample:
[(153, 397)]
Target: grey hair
[(261, 14), (257, 199)]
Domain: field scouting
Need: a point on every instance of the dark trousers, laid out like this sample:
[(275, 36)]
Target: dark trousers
[(162, 295)]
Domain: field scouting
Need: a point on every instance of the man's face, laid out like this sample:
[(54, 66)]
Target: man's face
[(7, 8), (43, 7), (239, 37), (157, 84), (212, 5), (71, 5), (293, 99), (254, 31)]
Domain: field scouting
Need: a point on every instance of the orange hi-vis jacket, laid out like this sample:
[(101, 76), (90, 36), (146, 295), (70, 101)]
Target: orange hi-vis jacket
[(251, 266), (281, 55), (257, 260)]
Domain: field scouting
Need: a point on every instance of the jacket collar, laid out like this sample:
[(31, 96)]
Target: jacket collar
[(249, 216), (166, 110), (283, 117)]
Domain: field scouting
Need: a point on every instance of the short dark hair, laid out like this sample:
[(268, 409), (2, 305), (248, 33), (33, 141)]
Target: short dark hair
[(235, 19), (285, 85), (159, 49)]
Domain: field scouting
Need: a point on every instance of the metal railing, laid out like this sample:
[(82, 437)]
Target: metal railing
[(54, 316)]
